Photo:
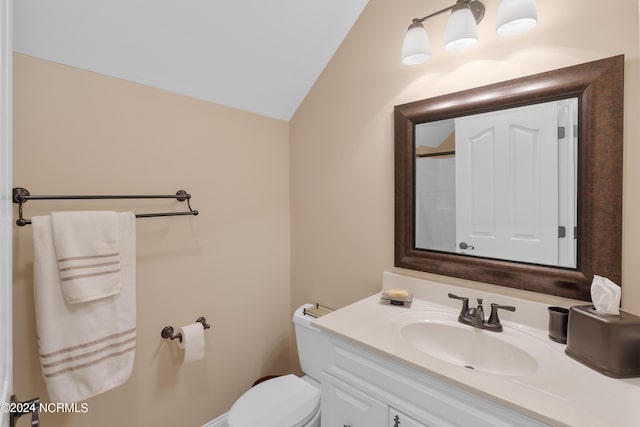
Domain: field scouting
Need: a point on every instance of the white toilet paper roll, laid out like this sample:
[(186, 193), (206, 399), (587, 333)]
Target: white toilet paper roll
[(192, 342)]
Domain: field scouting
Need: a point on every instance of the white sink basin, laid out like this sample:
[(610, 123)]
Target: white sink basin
[(440, 335)]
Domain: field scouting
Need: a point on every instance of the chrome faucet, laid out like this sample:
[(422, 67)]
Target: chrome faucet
[(475, 316)]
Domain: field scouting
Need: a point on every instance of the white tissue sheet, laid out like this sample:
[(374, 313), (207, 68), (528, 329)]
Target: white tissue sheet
[(605, 295)]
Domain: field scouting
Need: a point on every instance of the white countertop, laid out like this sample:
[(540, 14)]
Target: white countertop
[(562, 392)]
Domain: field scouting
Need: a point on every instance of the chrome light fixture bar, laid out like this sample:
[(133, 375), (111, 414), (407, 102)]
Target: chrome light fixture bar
[(513, 17)]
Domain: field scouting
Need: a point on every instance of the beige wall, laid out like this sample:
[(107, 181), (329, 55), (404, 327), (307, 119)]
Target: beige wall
[(342, 181), (76, 132)]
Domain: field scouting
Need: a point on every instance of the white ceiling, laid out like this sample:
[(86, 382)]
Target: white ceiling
[(260, 56)]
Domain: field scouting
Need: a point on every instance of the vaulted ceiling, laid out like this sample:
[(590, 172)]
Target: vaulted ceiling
[(254, 55)]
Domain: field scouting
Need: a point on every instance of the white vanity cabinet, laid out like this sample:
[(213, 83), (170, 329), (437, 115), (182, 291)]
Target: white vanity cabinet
[(398, 419), (361, 388), (346, 406)]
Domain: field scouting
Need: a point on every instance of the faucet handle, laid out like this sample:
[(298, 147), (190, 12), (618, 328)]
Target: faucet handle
[(494, 321), (450, 295), (463, 317)]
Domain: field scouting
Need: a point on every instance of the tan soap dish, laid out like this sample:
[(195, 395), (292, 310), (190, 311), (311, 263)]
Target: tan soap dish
[(397, 296)]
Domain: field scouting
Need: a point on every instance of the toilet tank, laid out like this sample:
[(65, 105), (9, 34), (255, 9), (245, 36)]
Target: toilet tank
[(313, 346)]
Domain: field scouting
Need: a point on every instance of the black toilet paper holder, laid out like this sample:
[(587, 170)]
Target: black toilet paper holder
[(167, 331)]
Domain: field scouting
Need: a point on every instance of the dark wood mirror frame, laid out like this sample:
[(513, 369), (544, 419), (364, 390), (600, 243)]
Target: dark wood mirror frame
[(599, 86)]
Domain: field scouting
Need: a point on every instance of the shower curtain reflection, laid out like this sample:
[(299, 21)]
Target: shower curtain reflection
[(436, 203)]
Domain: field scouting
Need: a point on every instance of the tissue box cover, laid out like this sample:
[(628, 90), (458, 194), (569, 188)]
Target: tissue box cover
[(609, 344)]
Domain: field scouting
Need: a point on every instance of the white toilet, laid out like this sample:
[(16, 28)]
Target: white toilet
[(287, 401)]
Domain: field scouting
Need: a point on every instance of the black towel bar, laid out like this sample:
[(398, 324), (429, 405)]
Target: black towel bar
[(22, 195)]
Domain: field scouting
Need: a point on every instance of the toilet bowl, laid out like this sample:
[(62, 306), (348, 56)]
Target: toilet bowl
[(286, 401)]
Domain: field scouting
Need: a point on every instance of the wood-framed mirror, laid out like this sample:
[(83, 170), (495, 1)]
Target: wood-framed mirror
[(598, 88)]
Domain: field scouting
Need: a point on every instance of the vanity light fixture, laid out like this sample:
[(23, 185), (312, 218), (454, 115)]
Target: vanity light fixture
[(513, 17)]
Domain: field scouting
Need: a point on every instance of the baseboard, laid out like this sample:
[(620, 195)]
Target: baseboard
[(221, 421)]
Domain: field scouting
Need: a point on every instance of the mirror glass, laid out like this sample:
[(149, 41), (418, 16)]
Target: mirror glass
[(518, 183), (500, 184)]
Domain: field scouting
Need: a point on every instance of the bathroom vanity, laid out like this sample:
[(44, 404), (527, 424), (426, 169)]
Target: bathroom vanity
[(416, 365), (361, 388)]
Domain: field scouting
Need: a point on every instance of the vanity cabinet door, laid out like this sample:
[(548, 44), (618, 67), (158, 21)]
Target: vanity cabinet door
[(346, 406), (398, 419)]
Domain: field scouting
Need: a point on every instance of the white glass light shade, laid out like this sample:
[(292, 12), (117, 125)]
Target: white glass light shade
[(516, 16), (416, 48), (461, 32)]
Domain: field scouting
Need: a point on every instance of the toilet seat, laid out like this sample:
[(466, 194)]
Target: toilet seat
[(283, 401)]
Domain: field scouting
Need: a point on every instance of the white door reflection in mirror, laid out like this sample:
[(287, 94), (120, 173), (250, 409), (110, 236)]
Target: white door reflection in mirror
[(507, 184), (6, 210), (507, 190)]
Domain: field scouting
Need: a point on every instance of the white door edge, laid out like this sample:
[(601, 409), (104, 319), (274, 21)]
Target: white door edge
[(6, 209)]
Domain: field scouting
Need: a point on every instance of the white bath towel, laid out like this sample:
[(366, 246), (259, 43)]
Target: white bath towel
[(85, 349), (88, 254)]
